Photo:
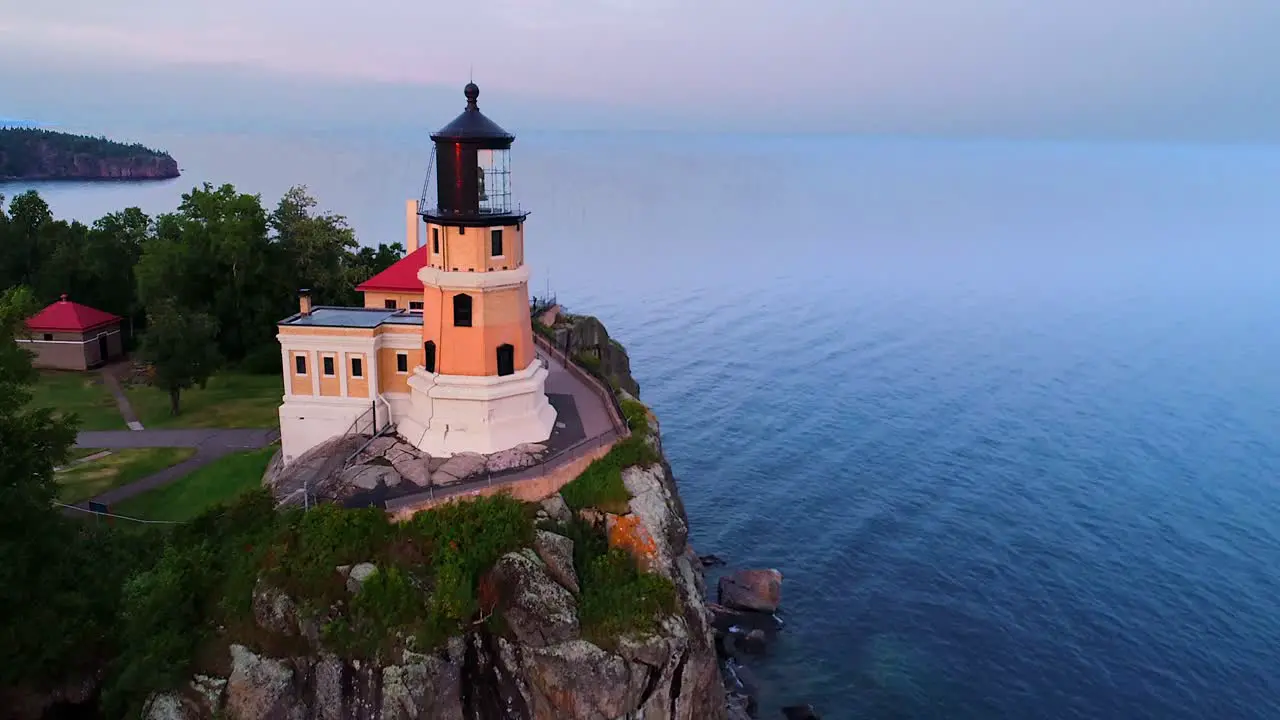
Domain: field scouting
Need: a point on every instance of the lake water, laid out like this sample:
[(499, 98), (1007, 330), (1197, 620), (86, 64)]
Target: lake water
[(1005, 415)]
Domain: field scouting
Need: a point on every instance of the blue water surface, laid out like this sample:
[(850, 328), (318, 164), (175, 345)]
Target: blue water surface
[(1004, 414)]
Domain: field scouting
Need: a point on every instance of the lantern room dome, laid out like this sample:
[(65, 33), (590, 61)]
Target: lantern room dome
[(472, 125)]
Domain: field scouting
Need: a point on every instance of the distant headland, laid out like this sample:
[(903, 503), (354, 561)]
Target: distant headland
[(34, 154)]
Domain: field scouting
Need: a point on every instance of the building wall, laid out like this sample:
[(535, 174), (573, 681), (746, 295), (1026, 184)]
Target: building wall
[(357, 386), (377, 299), (498, 316), (468, 249), (74, 351), (330, 385), (391, 380)]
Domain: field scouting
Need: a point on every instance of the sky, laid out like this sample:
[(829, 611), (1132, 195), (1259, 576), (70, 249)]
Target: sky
[(1145, 69)]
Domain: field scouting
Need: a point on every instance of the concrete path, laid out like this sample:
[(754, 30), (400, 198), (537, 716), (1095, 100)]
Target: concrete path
[(595, 418), (122, 401), (210, 444)]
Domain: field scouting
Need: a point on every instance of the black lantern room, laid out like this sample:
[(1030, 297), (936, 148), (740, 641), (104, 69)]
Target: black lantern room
[(472, 156)]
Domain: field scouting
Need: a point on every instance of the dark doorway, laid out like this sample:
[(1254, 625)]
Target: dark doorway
[(102, 349), (429, 355), (506, 360)]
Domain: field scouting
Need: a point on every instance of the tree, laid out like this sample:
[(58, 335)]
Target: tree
[(213, 256), (182, 345), (32, 534), (318, 247)]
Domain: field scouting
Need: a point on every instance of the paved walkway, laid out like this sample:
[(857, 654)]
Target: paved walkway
[(591, 408), (210, 444), (122, 401)]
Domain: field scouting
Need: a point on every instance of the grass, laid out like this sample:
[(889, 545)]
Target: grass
[(214, 484), (229, 400), (600, 485), (76, 453), (79, 393), (90, 479)]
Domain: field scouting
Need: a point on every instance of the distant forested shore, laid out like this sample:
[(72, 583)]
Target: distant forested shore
[(35, 154)]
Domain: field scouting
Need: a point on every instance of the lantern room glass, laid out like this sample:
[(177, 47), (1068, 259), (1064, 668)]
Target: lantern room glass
[(494, 178)]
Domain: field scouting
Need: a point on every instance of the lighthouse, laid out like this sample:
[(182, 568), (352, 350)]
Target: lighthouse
[(480, 386)]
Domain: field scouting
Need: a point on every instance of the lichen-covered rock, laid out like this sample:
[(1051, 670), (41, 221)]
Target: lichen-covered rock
[(758, 590), (169, 706), (358, 574), (260, 688), (537, 609), (273, 610), (579, 681), (628, 532), (556, 509), (425, 686), (329, 688), (557, 552)]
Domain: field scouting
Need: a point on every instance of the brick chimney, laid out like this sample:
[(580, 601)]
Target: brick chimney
[(304, 301), (411, 222)]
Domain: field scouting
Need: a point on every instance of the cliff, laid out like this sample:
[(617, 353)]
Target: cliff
[(30, 154), (586, 339), (596, 613)]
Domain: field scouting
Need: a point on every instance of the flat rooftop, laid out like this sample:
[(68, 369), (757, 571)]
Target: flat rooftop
[(352, 317)]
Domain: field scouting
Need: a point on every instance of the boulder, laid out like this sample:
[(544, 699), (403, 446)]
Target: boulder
[(401, 452), (367, 477), (758, 590), (358, 574), (329, 688), (259, 688), (459, 467), (592, 517), (521, 456), (273, 610), (379, 446), (578, 680), (800, 712), (425, 686), (168, 706), (415, 470), (539, 611), (710, 560), (557, 552), (556, 509)]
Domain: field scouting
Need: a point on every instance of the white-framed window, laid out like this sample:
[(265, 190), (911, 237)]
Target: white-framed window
[(329, 365), (357, 366), (402, 363), (300, 364), (496, 247)]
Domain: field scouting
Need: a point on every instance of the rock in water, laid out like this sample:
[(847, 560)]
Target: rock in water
[(557, 552), (800, 712), (758, 590)]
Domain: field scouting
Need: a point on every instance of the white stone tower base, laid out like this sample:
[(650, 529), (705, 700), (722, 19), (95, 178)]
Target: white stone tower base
[(450, 414)]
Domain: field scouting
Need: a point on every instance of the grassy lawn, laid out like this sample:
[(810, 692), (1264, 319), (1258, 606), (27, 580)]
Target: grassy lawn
[(122, 467), (76, 453), (79, 393), (230, 400), (218, 482)]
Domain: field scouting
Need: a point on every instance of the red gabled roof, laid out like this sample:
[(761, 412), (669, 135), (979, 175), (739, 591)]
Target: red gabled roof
[(67, 316), (401, 276)]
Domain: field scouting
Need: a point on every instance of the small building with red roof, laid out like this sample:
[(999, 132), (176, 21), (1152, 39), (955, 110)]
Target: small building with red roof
[(69, 336)]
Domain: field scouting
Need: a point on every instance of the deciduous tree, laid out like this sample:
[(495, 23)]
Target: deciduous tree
[(182, 344)]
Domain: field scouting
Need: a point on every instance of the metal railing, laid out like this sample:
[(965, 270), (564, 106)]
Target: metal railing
[(606, 394)]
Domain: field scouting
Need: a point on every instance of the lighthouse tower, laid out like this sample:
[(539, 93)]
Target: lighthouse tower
[(480, 387)]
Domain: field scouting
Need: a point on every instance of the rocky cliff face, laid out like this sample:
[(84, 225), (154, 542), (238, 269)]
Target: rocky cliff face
[(585, 338), (538, 667)]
